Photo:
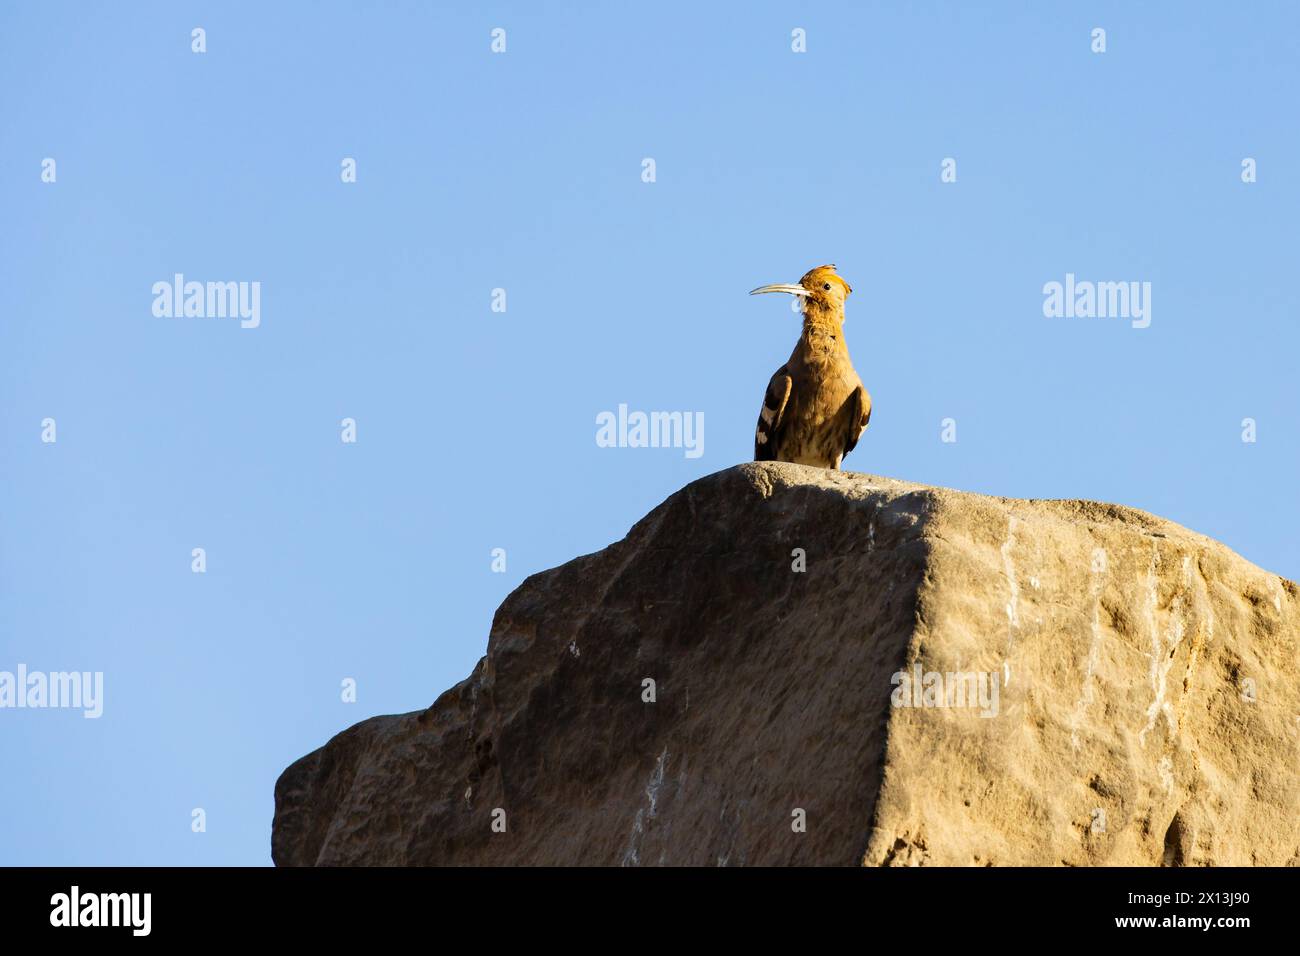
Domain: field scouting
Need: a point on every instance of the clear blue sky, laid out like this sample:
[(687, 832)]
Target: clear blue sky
[(476, 429)]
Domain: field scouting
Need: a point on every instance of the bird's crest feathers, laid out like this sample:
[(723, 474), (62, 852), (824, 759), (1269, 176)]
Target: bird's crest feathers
[(814, 278)]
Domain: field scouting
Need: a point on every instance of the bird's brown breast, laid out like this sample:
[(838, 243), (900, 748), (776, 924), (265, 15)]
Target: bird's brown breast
[(824, 381)]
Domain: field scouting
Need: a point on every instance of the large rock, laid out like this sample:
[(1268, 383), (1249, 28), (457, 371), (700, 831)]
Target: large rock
[(1133, 696)]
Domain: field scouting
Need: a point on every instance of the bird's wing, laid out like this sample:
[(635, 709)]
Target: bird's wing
[(770, 418), (859, 414)]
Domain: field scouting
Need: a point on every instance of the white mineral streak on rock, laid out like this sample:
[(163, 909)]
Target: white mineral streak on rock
[(1099, 565), (645, 813)]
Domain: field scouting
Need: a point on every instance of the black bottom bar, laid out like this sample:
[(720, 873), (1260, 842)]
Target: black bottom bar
[(237, 905)]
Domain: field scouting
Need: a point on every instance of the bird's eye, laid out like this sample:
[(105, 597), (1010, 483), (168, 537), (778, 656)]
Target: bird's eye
[(827, 287)]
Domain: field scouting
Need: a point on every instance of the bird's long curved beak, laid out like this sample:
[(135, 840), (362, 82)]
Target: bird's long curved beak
[(781, 287)]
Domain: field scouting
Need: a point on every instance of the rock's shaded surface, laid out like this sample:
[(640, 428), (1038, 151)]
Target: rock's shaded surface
[(1147, 682)]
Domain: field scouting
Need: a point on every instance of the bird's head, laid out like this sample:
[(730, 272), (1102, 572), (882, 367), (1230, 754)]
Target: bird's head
[(821, 288)]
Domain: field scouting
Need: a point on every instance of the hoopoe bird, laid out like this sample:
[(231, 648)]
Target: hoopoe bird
[(816, 407)]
